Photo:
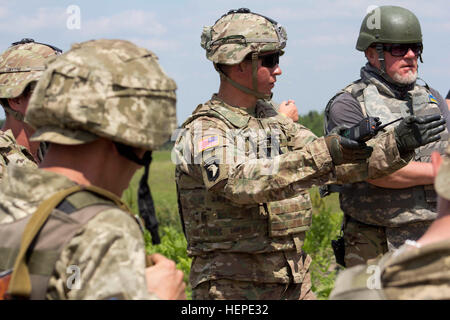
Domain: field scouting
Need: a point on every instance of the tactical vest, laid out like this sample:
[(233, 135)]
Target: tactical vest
[(392, 207), (213, 222), (62, 216)]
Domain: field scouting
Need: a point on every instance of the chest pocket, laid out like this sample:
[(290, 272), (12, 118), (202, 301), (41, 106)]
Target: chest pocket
[(290, 216)]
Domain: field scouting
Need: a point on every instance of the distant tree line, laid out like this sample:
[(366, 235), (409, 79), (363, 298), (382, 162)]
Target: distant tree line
[(313, 120)]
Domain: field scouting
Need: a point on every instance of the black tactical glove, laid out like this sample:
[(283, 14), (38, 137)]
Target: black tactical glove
[(343, 150), (415, 131)]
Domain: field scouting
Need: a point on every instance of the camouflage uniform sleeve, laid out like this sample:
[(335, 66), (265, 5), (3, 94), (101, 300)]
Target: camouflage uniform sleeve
[(220, 160), (110, 254), (384, 160), (301, 135), (12, 153)]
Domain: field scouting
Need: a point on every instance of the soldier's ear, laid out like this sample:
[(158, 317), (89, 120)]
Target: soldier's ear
[(436, 161), (18, 104), (371, 55)]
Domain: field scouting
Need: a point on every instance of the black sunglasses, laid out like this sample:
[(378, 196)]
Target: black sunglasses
[(270, 60), (400, 49)]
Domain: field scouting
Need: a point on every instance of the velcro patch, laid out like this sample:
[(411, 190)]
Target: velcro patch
[(432, 98), (208, 142)]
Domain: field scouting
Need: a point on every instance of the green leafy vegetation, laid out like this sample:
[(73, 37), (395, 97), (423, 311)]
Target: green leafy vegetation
[(314, 121), (325, 227)]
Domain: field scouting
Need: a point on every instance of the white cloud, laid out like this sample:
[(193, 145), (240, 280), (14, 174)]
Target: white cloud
[(130, 21), (3, 11), (156, 45), (43, 18), (325, 40)]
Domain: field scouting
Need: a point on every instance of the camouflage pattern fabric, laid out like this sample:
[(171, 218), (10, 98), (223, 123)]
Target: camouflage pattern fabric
[(366, 242), (395, 214), (245, 214), (232, 290), (237, 34), (363, 242), (20, 65), (11, 153), (392, 207), (100, 88), (128, 96), (412, 231), (410, 273), (109, 251)]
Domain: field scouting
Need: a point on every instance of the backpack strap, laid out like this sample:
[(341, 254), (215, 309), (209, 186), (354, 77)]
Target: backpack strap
[(20, 283)]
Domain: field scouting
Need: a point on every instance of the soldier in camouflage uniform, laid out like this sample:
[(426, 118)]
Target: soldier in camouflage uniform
[(417, 270), (380, 214), (102, 106), (243, 169), (21, 65)]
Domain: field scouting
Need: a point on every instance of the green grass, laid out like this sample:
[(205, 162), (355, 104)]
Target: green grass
[(325, 226)]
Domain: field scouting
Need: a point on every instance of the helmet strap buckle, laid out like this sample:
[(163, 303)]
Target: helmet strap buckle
[(379, 48)]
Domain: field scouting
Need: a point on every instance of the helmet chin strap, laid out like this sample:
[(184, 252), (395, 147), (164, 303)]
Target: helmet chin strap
[(380, 51), (145, 200), (15, 114), (254, 92)]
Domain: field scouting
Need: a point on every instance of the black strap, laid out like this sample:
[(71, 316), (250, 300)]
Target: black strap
[(147, 208), (29, 40), (145, 199)]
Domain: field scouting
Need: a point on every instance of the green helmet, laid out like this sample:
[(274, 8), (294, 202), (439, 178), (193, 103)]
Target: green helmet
[(20, 65), (389, 24), (104, 88), (237, 34)]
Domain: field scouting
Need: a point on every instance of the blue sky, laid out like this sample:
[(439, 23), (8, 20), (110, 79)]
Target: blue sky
[(320, 55)]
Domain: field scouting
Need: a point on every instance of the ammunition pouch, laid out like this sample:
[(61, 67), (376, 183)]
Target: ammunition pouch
[(338, 246)]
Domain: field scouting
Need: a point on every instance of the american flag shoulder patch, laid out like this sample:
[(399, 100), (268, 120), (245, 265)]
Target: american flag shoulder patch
[(208, 142)]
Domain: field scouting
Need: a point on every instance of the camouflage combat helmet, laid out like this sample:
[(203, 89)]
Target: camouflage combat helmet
[(442, 181), (388, 25), (104, 88), (239, 33), (20, 65), (111, 89)]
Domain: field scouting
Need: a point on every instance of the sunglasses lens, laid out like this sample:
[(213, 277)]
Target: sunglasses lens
[(401, 49), (417, 49), (270, 60)]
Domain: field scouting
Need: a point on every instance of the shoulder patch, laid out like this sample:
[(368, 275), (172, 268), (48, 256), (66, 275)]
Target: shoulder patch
[(432, 98), (212, 169), (208, 142)]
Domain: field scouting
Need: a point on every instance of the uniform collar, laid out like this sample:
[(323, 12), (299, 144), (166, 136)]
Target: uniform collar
[(242, 111)]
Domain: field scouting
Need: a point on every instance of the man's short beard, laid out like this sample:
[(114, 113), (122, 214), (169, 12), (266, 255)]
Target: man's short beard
[(409, 78)]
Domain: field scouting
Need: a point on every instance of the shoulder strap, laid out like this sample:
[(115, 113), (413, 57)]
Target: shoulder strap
[(356, 90), (230, 118), (20, 284)]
